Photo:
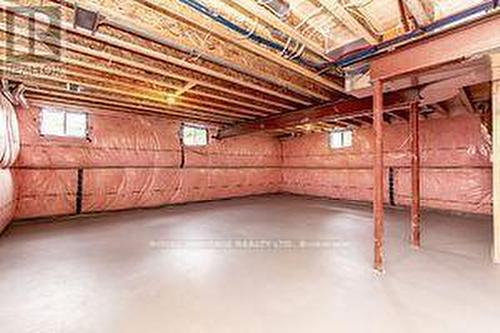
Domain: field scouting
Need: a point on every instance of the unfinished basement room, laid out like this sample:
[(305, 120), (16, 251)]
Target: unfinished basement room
[(250, 166)]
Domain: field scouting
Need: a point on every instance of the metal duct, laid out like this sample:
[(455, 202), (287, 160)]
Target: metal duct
[(280, 8)]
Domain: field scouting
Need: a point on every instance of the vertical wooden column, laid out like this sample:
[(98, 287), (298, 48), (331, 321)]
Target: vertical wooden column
[(415, 174), (378, 174), (495, 97)]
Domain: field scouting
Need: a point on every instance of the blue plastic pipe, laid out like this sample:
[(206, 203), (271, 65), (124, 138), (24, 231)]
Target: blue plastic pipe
[(384, 46)]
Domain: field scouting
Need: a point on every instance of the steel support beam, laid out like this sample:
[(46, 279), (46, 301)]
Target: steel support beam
[(415, 174), (438, 50), (378, 175), (346, 108)]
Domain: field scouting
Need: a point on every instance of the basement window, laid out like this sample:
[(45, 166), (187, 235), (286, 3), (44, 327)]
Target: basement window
[(194, 135), (340, 139), (62, 123)]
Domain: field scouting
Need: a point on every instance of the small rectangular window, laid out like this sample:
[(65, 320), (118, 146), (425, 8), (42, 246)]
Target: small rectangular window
[(194, 136), (61, 123), (52, 122), (340, 139), (76, 124)]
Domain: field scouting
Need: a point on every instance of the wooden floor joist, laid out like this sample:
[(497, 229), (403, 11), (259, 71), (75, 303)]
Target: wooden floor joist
[(91, 90), (200, 22), (261, 13), (124, 102), (114, 42), (279, 80), (88, 81)]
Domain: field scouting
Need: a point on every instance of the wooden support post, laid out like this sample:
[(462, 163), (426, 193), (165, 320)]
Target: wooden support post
[(378, 174), (495, 96), (415, 174)]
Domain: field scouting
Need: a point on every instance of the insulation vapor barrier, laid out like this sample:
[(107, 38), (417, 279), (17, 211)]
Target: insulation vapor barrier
[(139, 163), (9, 151), (456, 169)]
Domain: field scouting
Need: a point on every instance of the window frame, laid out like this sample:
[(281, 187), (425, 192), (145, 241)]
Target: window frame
[(65, 134), (195, 126), (342, 138)]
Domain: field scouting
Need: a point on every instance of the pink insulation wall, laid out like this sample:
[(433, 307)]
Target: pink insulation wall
[(135, 161), (455, 157), (9, 151)]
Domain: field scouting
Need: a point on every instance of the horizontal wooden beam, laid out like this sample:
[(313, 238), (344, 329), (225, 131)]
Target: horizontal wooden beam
[(451, 46)]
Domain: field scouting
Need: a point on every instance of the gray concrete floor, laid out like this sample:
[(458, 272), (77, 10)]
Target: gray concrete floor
[(107, 273)]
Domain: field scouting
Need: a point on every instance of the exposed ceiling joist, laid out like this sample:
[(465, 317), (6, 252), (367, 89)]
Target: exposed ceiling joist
[(41, 101), (152, 54), (139, 94), (90, 101), (258, 11), (403, 15), (96, 95), (175, 10), (123, 22), (218, 93), (224, 96), (99, 83), (338, 10)]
